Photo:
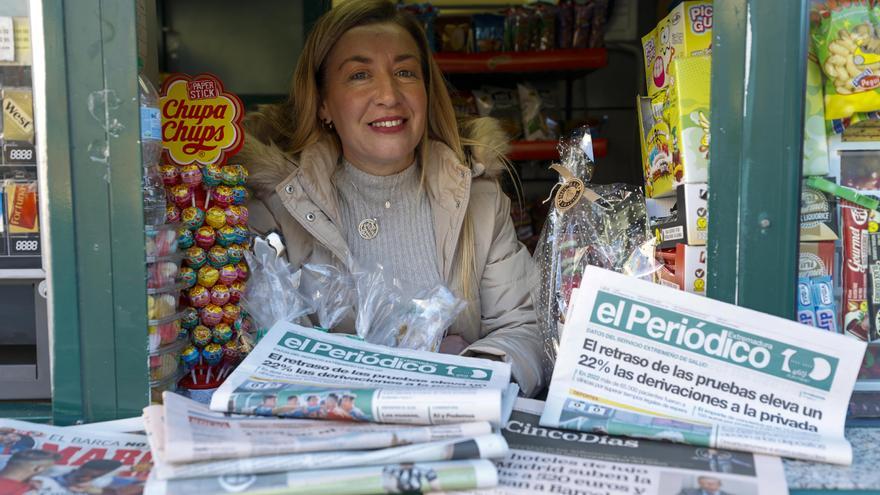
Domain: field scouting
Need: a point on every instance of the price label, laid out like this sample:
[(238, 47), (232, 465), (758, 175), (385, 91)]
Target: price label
[(24, 245), (19, 153)]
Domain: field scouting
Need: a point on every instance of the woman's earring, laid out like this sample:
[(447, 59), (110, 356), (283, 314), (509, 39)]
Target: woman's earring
[(328, 124)]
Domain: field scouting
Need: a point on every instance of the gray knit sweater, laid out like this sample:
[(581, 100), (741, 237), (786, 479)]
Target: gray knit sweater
[(405, 245)]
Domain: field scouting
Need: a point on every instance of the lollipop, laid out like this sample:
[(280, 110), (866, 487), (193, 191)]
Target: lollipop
[(233, 215), (215, 217), (231, 175), (172, 214), (240, 195), (170, 174), (222, 332), (228, 274), (222, 195), (226, 235), (185, 238), (195, 257), (234, 253), (190, 356), (190, 318), (212, 353), (242, 269), (188, 276), (242, 236), (245, 214), (190, 175), (236, 289), (208, 276), (219, 294), (218, 256), (213, 175), (205, 237), (231, 312), (211, 315), (199, 296), (192, 217), (181, 195), (201, 336)]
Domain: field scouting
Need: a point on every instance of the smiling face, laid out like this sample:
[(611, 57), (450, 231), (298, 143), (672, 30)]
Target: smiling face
[(374, 94)]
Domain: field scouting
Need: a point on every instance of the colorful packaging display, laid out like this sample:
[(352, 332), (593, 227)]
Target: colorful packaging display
[(806, 312), (818, 215), (690, 222), (857, 222), (687, 114), (656, 150), (685, 268), (21, 207), (686, 31), (816, 259)]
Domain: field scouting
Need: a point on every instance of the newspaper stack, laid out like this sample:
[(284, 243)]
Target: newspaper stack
[(316, 412)]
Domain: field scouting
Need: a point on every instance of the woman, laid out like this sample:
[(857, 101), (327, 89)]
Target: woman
[(365, 161)]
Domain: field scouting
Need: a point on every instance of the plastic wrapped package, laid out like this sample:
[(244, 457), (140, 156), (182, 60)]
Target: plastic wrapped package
[(162, 271), (273, 290), (160, 240), (331, 292), (162, 303), (162, 332), (387, 315), (604, 226), (165, 362)]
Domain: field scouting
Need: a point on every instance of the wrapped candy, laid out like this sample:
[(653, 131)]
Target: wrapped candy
[(192, 217), (212, 353), (240, 195), (215, 217), (205, 237), (231, 175), (190, 318), (172, 214), (218, 256), (222, 333), (181, 195), (212, 175), (188, 276), (190, 356), (201, 336), (603, 225), (199, 296), (234, 253), (233, 215), (195, 257), (170, 174), (245, 214), (222, 196), (242, 269), (191, 175), (211, 315), (241, 234), (220, 294), (226, 235), (208, 276), (236, 289), (185, 238), (228, 274), (231, 312)]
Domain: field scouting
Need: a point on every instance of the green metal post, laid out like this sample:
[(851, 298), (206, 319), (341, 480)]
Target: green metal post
[(95, 213), (758, 80)]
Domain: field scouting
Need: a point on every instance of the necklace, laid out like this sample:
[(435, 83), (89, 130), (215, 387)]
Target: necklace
[(368, 228)]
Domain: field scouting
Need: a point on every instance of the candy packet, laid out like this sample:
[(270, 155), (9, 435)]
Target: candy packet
[(847, 43), (331, 291), (601, 225)]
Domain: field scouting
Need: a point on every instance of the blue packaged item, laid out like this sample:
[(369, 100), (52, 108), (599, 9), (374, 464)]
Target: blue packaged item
[(805, 311), (488, 32), (823, 301)]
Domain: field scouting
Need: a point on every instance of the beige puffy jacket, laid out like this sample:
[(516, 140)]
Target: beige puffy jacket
[(294, 195)]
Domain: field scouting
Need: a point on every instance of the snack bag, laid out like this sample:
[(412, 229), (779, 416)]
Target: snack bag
[(847, 44), (533, 120), (488, 32)]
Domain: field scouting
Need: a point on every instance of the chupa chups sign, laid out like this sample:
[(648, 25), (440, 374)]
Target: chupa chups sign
[(200, 121)]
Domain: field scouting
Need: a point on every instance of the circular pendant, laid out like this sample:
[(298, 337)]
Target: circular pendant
[(368, 228)]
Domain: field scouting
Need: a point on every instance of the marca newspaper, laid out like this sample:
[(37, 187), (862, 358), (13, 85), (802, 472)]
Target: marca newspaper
[(548, 460), (189, 440), (50, 460), (643, 360), (299, 372)]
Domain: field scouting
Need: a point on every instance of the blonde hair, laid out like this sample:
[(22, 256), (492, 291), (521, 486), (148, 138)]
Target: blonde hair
[(294, 124)]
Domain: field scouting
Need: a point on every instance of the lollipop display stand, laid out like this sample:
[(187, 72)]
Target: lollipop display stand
[(206, 196)]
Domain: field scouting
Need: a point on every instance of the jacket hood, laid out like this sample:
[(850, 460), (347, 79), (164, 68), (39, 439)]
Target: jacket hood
[(483, 139)]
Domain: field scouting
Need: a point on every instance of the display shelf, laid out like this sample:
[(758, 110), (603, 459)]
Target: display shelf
[(22, 274), (546, 150), (571, 59)]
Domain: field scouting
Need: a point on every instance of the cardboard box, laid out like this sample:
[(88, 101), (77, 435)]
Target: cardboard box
[(689, 224), (685, 268), (687, 115), (816, 259), (685, 31), (656, 151), (818, 215)]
